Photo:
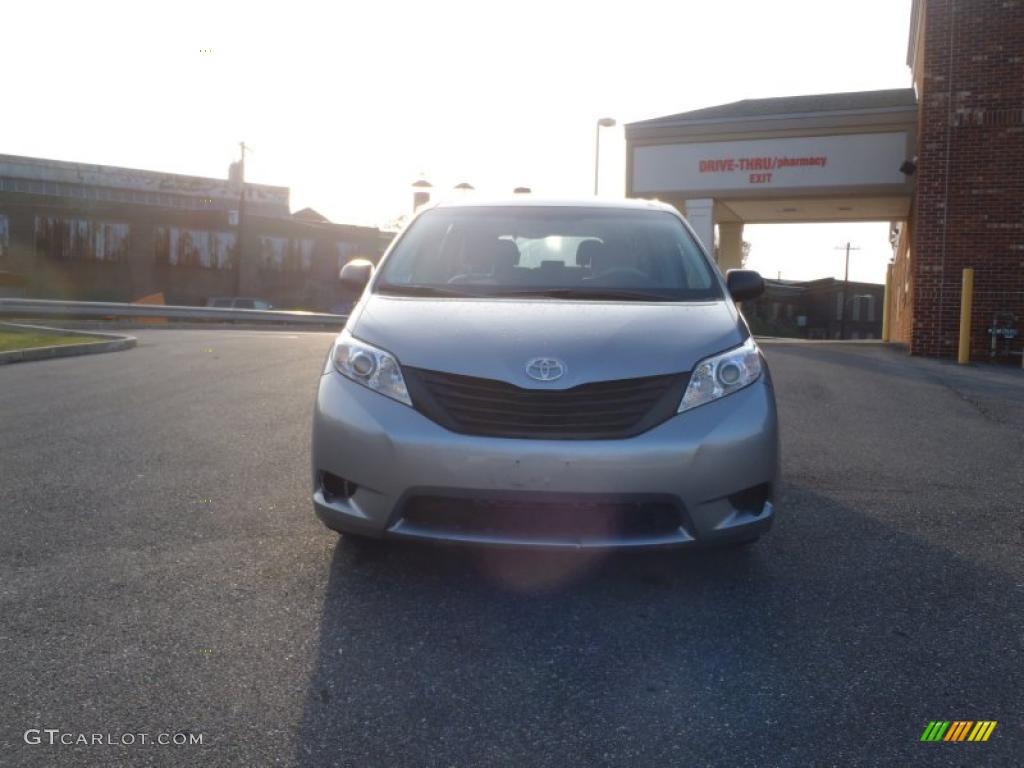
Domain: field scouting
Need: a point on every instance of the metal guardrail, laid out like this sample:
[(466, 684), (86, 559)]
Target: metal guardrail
[(106, 309)]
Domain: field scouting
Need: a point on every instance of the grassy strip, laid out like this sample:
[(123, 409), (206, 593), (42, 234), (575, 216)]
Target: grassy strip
[(11, 340)]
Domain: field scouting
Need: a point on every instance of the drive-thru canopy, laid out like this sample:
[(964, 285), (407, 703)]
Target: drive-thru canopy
[(823, 158)]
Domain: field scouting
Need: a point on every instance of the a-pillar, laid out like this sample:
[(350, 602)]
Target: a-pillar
[(730, 245), (701, 215)]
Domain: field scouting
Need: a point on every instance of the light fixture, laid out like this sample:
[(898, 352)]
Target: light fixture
[(603, 122), (421, 192)]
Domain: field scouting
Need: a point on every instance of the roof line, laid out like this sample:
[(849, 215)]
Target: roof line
[(98, 167), (668, 122), (695, 116)]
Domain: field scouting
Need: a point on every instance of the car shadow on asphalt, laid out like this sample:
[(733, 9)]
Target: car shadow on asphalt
[(835, 639)]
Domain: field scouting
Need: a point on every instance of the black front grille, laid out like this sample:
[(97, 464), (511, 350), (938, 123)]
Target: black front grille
[(594, 411), (558, 516)]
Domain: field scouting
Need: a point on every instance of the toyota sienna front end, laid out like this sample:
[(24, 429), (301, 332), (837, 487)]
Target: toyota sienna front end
[(547, 374)]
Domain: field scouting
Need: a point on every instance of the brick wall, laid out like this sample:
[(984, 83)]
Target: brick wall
[(140, 270), (969, 206)]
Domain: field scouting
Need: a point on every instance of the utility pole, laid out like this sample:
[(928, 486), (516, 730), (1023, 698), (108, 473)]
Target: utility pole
[(846, 282), (241, 220)]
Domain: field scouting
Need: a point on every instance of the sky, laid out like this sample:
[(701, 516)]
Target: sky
[(349, 103)]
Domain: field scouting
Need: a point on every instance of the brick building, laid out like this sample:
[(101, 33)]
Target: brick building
[(80, 231), (967, 61), (943, 161), (817, 309)]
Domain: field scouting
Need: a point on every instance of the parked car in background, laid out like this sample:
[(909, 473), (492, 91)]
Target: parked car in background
[(547, 374), (238, 302)]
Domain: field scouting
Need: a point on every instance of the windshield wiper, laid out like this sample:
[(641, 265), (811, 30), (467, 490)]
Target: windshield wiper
[(621, 294), (402, 289)]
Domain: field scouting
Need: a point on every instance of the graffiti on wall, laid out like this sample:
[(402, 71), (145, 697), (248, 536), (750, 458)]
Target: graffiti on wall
[(75, 239), (286, 254), (181, 247)]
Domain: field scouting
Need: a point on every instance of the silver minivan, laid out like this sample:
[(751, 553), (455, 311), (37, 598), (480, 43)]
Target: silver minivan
[(548, 374)]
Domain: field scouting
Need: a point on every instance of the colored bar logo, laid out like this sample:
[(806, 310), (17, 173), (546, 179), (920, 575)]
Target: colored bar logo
[(958, 730)]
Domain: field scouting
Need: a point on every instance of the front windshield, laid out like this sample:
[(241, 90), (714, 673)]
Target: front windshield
[(555, 251)]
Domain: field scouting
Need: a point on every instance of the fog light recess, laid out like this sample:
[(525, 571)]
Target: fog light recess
[(335, 487), (752, 500)]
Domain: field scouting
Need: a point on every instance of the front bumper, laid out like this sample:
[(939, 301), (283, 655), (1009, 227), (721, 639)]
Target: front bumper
[(704, 461)]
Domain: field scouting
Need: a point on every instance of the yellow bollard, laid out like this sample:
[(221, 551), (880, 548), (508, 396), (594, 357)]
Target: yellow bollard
[(966, 299), (885, 303)]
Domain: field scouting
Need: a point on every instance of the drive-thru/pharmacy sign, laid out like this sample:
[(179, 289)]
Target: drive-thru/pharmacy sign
[(851, 160)]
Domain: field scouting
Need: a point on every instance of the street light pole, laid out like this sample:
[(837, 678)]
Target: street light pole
[(604, 122), (241, 219), (846, 281)]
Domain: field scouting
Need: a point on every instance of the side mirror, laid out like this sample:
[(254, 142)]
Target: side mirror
[(744, 284), (356, 274)]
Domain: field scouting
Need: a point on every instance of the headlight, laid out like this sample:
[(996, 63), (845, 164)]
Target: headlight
[(722, 375), (373, 368)]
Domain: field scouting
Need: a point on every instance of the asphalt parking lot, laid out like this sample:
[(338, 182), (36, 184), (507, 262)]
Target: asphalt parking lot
[(161, 572)]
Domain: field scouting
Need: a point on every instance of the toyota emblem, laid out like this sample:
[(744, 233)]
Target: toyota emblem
[(545, 368)]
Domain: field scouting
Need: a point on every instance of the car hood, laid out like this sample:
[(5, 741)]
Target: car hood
[(596, 340)]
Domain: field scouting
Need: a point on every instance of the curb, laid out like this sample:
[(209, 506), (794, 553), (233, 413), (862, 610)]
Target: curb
[(112, 343), (844, 342)]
